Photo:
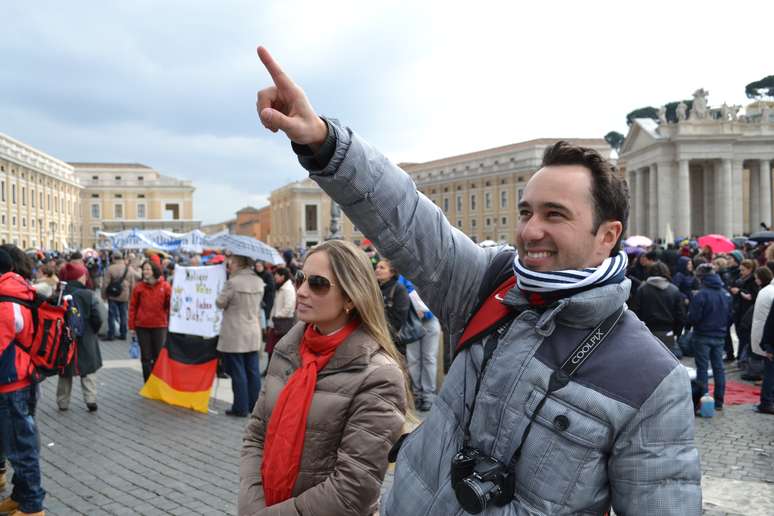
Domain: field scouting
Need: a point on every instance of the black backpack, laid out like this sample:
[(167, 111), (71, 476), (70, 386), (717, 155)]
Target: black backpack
[(115, 288)]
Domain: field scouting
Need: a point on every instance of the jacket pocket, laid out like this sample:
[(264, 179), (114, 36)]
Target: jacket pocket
[(565, 453)]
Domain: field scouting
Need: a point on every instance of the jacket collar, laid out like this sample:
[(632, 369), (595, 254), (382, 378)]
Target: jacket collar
[(583, 310), (353, 353)]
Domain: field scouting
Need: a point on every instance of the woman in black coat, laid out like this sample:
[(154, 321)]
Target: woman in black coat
[(89, 358), (396, 298)]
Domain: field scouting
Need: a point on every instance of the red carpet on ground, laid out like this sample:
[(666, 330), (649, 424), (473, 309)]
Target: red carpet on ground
[(738, 393)]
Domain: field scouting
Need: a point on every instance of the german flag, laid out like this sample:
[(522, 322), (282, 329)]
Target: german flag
[(184, 372)]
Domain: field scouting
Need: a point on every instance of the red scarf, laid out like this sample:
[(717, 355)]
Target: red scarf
[(287, 426)]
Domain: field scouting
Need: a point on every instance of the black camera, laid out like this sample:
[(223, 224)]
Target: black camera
[(479, 480)]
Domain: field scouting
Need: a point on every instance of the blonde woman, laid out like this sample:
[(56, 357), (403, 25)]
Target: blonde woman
[(334, 399)]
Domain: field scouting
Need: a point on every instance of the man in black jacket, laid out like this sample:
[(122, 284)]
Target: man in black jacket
[(660, 306)]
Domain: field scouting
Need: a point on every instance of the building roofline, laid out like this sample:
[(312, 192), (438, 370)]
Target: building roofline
[(503, 149)]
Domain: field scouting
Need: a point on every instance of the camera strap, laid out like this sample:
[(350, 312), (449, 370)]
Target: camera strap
[(561, 377)]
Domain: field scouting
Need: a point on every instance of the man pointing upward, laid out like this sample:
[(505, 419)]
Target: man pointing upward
[(571, 406)]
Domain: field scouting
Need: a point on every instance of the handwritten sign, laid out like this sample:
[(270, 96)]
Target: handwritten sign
[(194, 290)]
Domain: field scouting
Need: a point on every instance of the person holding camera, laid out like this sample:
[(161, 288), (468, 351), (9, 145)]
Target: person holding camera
[(559, 400), (116, 289), (334, 400)]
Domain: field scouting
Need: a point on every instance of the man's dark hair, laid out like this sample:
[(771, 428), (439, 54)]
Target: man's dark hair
[(659, 269), (608, 191), (652, 256), (22, 264)]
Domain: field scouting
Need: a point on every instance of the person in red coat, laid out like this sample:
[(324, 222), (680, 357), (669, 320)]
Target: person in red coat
[(149, 314)]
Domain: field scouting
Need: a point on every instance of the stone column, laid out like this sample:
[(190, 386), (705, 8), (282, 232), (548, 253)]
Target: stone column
[(764, 178), (652, 202), (665, 172), (737, 199), (755, 200), (641, 208), (630, 178), (708, 184), (725, 198), (683, 221)]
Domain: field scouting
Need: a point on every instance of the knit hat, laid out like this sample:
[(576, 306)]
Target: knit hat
[(6, 262), (72, 272), (738, 256)]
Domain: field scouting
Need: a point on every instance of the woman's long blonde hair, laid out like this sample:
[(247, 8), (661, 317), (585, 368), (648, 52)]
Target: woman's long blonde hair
[(352, 270)]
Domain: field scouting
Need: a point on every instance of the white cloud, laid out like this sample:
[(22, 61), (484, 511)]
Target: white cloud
[(173, 84)]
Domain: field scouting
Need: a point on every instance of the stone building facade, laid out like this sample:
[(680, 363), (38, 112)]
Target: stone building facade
[(254, 222), (39, 198), (301, 215), (710, 171), (119, 196), (479, 192)]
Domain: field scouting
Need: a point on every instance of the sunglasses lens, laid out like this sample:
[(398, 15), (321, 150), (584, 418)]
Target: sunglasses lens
[(319, 285)]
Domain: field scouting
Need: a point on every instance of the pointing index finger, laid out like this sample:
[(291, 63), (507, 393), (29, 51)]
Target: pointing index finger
[(278, 76)]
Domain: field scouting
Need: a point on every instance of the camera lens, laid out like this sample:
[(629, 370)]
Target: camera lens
[(474, 495)]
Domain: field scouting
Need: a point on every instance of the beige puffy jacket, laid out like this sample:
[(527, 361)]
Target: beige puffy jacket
[(240, 300), (356, 416)]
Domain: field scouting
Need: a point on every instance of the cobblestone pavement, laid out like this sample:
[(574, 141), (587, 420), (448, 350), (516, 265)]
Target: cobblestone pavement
[(135, 456)]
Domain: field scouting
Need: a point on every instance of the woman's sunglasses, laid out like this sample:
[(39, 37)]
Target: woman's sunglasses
[(319, 285)]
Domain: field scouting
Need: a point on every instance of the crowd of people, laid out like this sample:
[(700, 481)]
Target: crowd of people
[(693, 298)]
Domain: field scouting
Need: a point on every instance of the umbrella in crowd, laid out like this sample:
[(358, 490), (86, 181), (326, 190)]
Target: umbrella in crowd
[(762, 236), (718, 243), (638, 241), (241, 245)]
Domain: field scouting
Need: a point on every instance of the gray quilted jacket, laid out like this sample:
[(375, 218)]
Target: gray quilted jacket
[(619, 434)]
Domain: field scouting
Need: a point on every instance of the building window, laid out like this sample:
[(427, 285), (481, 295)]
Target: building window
[(472, 223), (503, 199), (3, 219), (118, 196), (520, 193), (13, 194), (118, 178), (95, 178), (141, 196), (95, 196), (488, 222), (310, 217), (504, 221), (24, 222), (472, 202), (459, 223), (2, 190), (32, 223), (140, 211), (140, 178), (32, 197), (459, 203), (49, 201), (13, 220), (24, 196), (41, 200), (488, 200), (503, 238), (118, 211), (95, 211), (445, 204), (171, 211)]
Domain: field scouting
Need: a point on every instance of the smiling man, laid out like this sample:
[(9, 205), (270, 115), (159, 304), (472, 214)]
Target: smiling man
[(568, 405)]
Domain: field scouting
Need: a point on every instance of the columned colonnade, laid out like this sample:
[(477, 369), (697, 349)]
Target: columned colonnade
[(699, 196)]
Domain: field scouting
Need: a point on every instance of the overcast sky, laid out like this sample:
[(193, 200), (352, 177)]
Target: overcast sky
[(172, 84)]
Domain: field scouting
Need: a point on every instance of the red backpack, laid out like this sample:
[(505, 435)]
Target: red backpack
[(52, 347)]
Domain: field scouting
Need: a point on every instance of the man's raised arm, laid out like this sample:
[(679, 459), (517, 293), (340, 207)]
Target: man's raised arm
[(381, 200)]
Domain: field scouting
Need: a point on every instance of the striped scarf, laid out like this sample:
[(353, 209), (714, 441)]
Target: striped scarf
[(541, 288)]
